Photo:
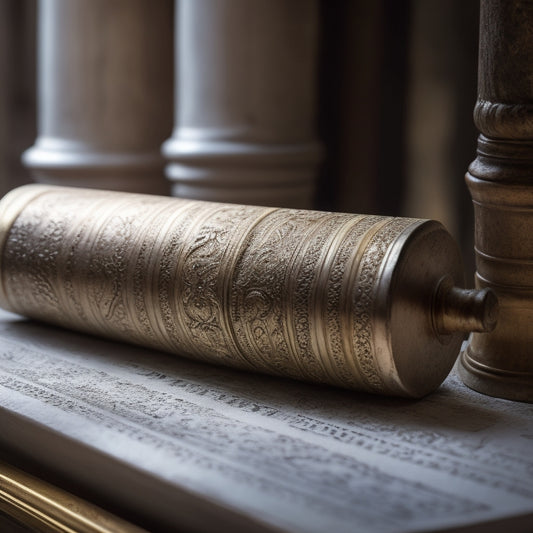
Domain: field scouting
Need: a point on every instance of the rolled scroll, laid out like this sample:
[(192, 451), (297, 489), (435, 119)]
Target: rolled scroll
[(359, 301)]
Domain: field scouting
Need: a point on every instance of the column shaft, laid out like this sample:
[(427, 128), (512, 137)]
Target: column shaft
[(245, 102), (104, 93)]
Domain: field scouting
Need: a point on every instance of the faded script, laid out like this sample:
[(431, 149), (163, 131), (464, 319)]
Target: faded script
[(294, 456)]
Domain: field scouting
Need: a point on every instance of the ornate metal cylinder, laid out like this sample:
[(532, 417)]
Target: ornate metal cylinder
[(500, 180), (365, 302)]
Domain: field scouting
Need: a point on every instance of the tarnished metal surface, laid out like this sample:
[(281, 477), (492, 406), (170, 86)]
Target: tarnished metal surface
[(364, 302)]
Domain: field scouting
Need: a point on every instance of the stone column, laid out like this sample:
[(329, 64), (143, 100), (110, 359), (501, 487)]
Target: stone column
[(245, 102), (501, 183), (104, 93)]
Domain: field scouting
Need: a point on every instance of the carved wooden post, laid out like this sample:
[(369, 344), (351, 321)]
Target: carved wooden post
[(245, 102), (501, 183), (104, 93)]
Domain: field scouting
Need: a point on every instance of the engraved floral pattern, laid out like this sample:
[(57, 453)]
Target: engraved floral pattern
[(281, 291)]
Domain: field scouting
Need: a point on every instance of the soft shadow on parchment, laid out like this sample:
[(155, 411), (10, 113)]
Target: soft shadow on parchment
[(451, 406)]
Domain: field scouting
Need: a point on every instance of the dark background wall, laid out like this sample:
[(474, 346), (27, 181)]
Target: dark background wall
[(398, 86)]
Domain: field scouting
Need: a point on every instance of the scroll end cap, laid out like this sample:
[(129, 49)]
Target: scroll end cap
[(464, 310)]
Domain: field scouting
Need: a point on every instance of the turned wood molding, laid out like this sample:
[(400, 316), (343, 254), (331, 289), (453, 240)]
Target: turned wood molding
[(104, 93), (500, 180), (504, 121), (245, 102)]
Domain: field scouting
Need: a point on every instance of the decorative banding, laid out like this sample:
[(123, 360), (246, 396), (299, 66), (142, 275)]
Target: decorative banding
[(504, 121)]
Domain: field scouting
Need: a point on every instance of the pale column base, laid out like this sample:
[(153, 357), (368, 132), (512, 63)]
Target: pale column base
[(76, 167), (281, 175)]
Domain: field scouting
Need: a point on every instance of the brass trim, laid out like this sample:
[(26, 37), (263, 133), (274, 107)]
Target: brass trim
[(46, 508)]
